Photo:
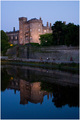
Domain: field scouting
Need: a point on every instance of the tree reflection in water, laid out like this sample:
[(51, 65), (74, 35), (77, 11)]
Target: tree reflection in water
[(33, 87), (5, 78), (63, 95)]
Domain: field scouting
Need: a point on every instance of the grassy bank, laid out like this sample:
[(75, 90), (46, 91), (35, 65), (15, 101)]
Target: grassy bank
[(68, 67)]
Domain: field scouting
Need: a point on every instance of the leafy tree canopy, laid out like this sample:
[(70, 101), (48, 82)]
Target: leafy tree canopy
[(4, 42), (72, 35), (46, 39), (62, 34)]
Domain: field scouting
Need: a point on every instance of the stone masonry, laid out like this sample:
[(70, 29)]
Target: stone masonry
[(13, 36), (29, 31)]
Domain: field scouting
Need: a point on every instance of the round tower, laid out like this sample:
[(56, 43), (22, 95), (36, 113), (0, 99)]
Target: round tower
[(22, 21)]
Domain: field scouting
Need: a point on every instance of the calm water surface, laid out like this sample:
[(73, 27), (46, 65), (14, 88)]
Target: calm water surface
[(34, 93)]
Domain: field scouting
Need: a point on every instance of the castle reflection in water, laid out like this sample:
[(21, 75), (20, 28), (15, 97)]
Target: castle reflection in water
[(29, 92), (34, 84)]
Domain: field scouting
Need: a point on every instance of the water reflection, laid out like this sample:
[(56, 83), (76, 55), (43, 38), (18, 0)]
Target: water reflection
[(29, 92), (5, 79), (63, 95), (34, 85)]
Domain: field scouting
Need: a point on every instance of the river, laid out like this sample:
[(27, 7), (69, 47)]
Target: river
[(37, 93)]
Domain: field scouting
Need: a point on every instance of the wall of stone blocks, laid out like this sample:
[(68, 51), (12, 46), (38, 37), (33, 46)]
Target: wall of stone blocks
[(44, 53)]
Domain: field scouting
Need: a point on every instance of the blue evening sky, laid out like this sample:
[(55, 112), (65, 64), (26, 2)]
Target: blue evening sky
[(50, 11)]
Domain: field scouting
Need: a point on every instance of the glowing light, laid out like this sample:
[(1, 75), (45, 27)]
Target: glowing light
[(11, 44), (11, 78)]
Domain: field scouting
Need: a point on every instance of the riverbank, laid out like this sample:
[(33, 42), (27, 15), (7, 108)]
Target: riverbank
[(63, 66)]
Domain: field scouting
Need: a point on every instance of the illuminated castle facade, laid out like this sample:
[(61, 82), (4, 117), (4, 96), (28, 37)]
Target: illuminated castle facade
[(29, 31)]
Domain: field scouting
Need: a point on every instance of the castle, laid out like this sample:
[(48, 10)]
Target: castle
[(29, 31)]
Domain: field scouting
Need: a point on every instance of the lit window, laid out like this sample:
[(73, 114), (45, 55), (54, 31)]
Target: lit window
[(44, 30), (16, 37), (38, 29)]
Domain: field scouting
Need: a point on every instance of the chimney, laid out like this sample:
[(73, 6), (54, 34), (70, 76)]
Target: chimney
[(50, 25), (47, 24), (13, 29), (40, 18)]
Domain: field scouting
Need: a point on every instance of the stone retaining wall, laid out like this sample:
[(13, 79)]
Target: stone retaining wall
[(63, 53)]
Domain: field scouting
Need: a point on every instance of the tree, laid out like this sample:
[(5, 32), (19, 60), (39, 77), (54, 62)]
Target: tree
[(5, 78), (72, 35), (46, 39), (59, 33), (65, 34), (4, 42)]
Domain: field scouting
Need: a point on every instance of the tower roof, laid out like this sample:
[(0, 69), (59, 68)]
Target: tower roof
[(34, 19)]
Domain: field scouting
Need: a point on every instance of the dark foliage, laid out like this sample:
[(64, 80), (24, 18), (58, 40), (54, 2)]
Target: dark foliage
[(63, 34), (46, 39), (5, 78), (4, 42)]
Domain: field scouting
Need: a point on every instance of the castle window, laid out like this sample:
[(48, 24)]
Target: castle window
[(38, 29), (44, 30), (16, 37), (11, 37)]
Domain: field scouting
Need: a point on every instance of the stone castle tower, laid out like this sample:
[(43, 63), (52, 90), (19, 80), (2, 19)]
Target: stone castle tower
[(30, 31)]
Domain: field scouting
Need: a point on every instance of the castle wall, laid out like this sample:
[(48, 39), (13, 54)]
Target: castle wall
[(13, 37), (54, 53), (35, 31), (29, 31)]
